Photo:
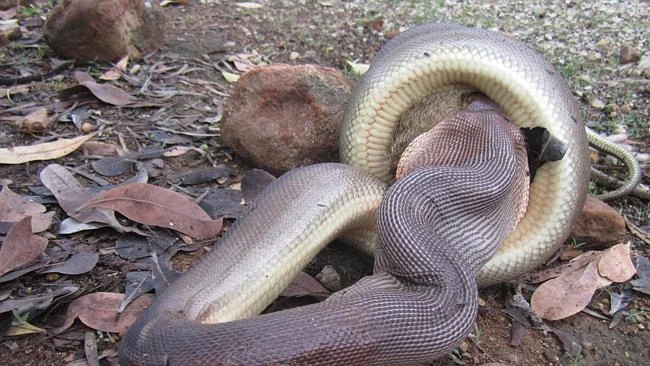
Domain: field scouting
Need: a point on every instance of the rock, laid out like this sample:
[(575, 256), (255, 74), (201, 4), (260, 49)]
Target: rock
[(105, 30), (599, 224), (279, 117), (329, 278), (627, 54)]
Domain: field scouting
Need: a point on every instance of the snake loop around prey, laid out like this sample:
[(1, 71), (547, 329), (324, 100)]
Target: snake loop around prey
[(442, 228)]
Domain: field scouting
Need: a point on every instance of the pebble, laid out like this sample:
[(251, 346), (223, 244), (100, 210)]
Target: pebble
[(588, 346), (330, 278), (598, 104), (293, 56), (464, 346)]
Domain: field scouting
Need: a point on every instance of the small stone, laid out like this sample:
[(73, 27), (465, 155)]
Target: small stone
[(597, 103), (330, 278), (281, 116), (599, 224), (588, 346), (293, 56), (513, 358), (105, 30), (464, 346), (87, 127), (628, 54), (481, 302), (641, 326)]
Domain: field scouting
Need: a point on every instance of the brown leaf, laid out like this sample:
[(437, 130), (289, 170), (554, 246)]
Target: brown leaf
[(45, 151), (99, 311), (565, 295), (305, 285), (152, 205), (20, 246), (14, 208), (616, 263), (71, 196), (575, 264), (105, 92)]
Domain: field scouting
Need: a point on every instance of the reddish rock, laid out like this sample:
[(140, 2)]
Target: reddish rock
[(599, 224), (105, 30), (279, 117)]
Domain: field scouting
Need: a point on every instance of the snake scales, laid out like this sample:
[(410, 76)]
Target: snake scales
[(422, 298)]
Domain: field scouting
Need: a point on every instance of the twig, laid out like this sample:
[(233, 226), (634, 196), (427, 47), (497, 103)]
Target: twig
[(39, 77)]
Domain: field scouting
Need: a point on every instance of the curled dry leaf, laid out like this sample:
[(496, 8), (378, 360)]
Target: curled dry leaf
[(99, 311), (616, 263), (14, 208), (45, 151), (20, 246), (565, 295), (116, 71), (152, 205)]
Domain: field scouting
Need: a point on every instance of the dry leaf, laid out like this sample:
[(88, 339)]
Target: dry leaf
[(116, 71), (230, 77), (20, 246), (565, 295), (152, 205), (79, 263), (71, 196), (6, 92), (105, 92), (8, 14), (14, 208), (616, 263), (575, 264), (254, 182), (305, 285), (99, 311), (23, 328), (46, 151)]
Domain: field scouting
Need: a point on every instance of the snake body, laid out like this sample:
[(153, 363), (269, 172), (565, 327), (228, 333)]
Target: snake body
[(440, 227)]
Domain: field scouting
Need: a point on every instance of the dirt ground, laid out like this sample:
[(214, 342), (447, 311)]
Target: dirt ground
[(201, 36)]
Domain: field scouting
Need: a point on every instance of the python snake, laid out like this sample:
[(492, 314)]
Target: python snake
[(440, 227)]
